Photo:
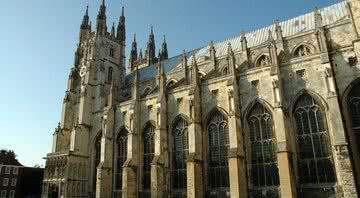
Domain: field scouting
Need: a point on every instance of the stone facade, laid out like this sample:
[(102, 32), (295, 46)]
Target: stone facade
[(270, 113)]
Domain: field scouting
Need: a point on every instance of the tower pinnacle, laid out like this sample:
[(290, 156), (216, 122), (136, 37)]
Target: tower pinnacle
[(85, 21), (164, 50), (101, 28), (150, 56), (121, 29)]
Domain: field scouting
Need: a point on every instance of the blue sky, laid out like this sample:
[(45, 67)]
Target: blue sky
[(38, 39)]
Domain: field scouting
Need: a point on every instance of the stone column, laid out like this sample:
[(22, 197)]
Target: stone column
[(195, 185), (104, 170), (160, 164), (286, 176), (130, 168), (343, 167), (237, 168)]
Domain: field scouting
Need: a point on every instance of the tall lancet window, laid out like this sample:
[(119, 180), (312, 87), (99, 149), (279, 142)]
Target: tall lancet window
[(110, 74), (149, 150), (354, 110), (218, 133), (97, 152), (314, 153), (263, 162), (121, 144), (179, 155)]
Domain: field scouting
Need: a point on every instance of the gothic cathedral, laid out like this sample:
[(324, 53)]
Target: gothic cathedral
[(270, 113)]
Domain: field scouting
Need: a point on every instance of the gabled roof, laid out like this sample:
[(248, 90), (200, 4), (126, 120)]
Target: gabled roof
[(304, 23)]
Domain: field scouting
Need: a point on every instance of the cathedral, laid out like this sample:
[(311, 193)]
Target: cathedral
[(270, 113)]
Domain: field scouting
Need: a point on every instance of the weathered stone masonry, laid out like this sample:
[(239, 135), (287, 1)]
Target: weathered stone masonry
[(270, 113)]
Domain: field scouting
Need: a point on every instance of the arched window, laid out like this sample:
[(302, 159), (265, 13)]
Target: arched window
[(314, 153), (302, 50), (225, 71), (264, 60), (170, 84), (97, 158), (179, 155), (263, 161), (121, 143), (354, 110), (218, 132), (149, 150), (110, 74)]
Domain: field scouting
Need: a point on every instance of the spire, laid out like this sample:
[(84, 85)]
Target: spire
[(133, 53), (85, 21), (101, 28), (213, 55), (195, 71), (231, 59), (278, 30), (270, 36), (150, 55), (243, 41), (140, 55), (318, 18), (121, 29), (112, 34), (164, 50), (186, 68)]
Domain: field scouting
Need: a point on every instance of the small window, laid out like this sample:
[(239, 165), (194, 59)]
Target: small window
[(352, 61), (12, 194), (264, 60), (110, 74), (6, 182), (7, 170), (302, 50), (255, 83), (13, 182), (225, 71), (300, 73), (16, 170), (112, 52), (3, 194)]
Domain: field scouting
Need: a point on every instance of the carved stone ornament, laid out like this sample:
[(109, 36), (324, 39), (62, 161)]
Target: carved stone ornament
[(275, 83)]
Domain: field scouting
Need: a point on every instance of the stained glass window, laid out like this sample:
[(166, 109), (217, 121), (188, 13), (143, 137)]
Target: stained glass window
[(314, 153), (179, 155), (218, 132), (263, 163), (121, 144), (149, 149)]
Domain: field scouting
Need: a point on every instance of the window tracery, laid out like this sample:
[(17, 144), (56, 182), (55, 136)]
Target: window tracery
[(354, 110), (179, 155), (218, 133), (149, 149), (263, 162), (264, 60), (314, 154), (121, 143), (302, 50)]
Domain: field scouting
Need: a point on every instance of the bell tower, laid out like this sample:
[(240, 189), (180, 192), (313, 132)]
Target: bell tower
[(85, 128)]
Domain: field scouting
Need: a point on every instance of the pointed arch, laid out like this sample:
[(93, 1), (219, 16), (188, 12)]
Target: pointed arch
[(315, 163), (263, 169), (218, 146), (179, 154), (263, 102), (148, 153), (262, 60), (351, 111), (302, 49), (213, 111), (121, 155), (319, 100)]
